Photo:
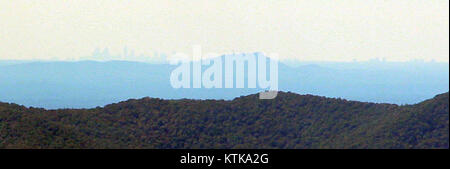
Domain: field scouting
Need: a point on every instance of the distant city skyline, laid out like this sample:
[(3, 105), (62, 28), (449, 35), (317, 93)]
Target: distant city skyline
[(344, 31), (104, 54)]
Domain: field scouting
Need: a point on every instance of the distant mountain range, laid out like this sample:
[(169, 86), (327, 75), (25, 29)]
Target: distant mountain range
[(88, 84), (288, 121)]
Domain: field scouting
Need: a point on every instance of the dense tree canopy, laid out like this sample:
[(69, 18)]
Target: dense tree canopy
[(289, 121)]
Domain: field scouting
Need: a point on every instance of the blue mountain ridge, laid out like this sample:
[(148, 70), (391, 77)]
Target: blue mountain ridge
[(87, 84)]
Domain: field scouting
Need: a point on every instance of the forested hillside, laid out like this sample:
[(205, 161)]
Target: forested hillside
[(289, 121)]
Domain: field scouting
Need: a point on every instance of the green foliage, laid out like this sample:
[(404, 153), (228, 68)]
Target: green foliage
[(289, 121)]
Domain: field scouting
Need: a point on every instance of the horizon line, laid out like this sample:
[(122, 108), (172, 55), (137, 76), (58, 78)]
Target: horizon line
[(376, 60)]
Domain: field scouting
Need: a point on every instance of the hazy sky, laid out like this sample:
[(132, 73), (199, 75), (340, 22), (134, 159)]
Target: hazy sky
[(306, 30)]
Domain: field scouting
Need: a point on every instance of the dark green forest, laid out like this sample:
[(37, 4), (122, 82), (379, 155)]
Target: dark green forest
[(290, 121)]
